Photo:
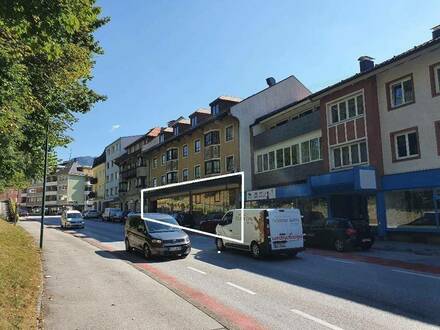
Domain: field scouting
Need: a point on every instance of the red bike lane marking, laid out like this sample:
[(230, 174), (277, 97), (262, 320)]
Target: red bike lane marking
[(378, 261)]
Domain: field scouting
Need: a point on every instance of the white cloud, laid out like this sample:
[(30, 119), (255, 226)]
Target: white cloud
[(115, 127)]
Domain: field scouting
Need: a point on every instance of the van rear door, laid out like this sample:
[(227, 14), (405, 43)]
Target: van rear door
[(285, 227)]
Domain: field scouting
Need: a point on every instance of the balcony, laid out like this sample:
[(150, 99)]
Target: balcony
[(128, 174), (141, 171), (212, 152), (123, 187), (289, 130), (172, 165)]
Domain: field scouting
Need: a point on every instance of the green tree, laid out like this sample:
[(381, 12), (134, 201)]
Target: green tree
[(47, 52)]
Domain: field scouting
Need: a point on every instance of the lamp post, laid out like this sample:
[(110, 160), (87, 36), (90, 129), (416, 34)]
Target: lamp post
[(43, 202)]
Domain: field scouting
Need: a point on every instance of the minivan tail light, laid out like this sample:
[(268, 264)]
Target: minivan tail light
[(351, 232)]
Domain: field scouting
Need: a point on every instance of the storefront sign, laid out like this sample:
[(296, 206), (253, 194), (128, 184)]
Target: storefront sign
[(258, 195)]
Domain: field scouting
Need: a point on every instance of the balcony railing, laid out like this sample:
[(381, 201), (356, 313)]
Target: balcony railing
[(212, 152), (128, 174), (172, 165)]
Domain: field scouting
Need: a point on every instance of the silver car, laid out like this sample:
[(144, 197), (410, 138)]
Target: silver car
[(72, 219)]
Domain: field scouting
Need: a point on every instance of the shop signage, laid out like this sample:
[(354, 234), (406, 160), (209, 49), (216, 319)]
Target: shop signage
[(262, 194)]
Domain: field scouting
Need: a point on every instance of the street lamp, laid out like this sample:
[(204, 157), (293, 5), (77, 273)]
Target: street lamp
[(43, 202)]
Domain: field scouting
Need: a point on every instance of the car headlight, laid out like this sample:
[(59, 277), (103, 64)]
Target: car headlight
[(187, 239), (156, 241)]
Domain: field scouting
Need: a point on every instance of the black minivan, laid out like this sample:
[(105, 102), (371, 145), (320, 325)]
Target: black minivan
[(338, 233), (155, 239)]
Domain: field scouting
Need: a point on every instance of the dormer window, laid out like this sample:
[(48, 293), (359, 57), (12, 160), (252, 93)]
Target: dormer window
[(194, 121), (215, 109), (176, 130), (161, 138)]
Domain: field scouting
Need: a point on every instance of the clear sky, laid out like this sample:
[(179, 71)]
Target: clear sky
[(164, 59)]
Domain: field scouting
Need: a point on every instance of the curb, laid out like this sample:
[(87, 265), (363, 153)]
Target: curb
[(424, 268)]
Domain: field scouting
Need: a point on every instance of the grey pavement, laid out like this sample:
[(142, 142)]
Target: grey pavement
[(83, 290), (307, 292)]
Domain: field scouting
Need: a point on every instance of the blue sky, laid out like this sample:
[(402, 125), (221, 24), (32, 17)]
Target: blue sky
[(164, 59)]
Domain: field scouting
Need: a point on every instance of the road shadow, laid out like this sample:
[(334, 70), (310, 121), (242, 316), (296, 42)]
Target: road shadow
[(134, 257)]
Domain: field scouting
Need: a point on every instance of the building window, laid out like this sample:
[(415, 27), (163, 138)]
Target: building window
[(229, 133), (172, 177), (163, 179), (347, 108), (154, 162), (154, 182), (437, 135), (349, 155), (164, 159), (280, 158), (305, 152), (176, 130), (211, 138), (434, 71), (265, 162), (162, 138), (196, 171), (405, 144), (287, 158), (194, 121), (271, 160), (212, 166), (171, 154), (185, 174), (185, 151), (215, 109), (400, 92), (230, 166), (259, 163), (197, 146)]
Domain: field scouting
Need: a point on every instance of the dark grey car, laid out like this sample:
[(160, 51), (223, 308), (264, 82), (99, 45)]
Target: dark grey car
[(156, 239)]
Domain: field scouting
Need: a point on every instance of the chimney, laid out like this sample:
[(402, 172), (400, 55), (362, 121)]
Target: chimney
[(366, 63), (271, 81), (436, 32)]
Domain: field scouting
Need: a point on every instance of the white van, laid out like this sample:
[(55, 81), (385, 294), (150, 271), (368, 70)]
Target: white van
[(72, 218), (109, 213), (266, 231)]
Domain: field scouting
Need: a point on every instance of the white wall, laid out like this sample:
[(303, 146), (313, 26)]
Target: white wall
[(272, 98), (423, 113)]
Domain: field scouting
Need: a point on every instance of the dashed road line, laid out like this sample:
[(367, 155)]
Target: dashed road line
[(196, 270), (416, 274), (340, 260), (240, 288), (315, 319)]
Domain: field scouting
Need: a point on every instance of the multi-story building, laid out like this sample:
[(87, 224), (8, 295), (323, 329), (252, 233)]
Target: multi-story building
[(113, 151), (98, 182), (206, 144), (134, 171), (364, 148)]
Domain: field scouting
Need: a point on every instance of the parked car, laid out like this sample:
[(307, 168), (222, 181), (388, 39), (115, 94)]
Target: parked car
[(125, 215), (210, 222), (266, 231), (184, 219), (23, 213), (91, 214), (72, 218), (339, 233), (117, 216), (109, 213), (155, 239)]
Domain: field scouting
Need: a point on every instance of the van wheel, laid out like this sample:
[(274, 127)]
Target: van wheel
[(127, 245), (255, 250), (147, 251), (219, 244), (340, 245)]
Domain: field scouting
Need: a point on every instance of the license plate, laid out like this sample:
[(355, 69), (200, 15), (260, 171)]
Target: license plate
[(174, 248), (366, 240), (279, 244)]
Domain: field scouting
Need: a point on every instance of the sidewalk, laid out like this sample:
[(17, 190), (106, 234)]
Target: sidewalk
[(84, 290)]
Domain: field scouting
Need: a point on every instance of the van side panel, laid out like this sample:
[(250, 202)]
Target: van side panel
[(253, 226)]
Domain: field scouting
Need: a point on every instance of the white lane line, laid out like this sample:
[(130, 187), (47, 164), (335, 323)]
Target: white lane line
[(340, 260), (240, 288), (196, 270), (417, 274), (315, 319)]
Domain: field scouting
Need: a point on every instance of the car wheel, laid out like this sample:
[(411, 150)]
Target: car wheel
[(219, 244), (147, 251), (255, 250), (339, 245), (127, 245)]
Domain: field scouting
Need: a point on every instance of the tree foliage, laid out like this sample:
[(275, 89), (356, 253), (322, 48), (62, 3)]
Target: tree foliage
[(47, 51)]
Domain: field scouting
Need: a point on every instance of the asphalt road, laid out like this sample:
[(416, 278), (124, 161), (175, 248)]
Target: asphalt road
[(306, 292)]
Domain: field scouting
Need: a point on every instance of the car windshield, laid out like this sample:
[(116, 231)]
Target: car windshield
[(156, 227), (73, 215)]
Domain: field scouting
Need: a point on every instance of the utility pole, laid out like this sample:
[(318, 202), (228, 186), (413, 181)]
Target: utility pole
[(43, 202)]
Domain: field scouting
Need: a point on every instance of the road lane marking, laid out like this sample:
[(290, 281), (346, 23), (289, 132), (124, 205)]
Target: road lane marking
[(315, 319), (340, 260), (417, 274), (240, 288), (196, 270)]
